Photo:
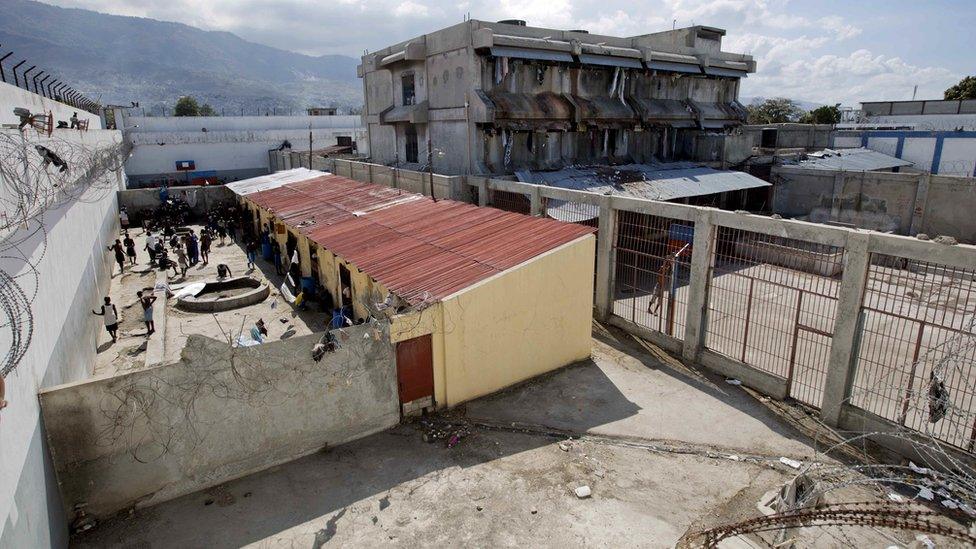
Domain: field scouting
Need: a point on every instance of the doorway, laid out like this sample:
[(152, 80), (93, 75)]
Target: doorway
[(415, 374), (345, 287)]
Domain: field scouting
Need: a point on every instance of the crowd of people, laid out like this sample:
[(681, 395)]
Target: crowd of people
[(171, 245)]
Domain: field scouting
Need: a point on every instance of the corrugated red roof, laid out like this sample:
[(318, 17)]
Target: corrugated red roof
[(421, 250)]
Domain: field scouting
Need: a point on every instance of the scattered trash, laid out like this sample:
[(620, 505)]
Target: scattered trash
[(945, 240), (734, 457), (790, 462), (938, 398), (564, 446), (926, 541), (583, 492), (917, 469), (479, 508), (533, 511), (896, 497), (451, 433), (733, 382), (926, 493)]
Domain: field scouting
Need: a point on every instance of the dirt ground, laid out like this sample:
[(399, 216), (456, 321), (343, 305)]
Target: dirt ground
[(664, 449)]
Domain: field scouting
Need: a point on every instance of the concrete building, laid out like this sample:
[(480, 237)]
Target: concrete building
[(184, 150), (453, 278), (492, 98), (930, 115), (55, 225)]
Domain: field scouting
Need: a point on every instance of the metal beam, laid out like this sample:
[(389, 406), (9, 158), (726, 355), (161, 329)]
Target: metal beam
[(16, 80)]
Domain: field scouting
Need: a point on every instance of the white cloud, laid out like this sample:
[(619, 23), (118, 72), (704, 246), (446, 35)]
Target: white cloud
[(801, 53), (409, 8)]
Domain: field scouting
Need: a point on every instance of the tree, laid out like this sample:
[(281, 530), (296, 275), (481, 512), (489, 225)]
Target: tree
[(827, 114), (207, 110), (186, 106), (773, 111), (965, 89)]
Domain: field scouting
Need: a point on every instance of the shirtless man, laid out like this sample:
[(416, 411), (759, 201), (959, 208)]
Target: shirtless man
[(147, 312)]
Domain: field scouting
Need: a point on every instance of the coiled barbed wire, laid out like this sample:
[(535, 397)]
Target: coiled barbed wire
[(41, 174)]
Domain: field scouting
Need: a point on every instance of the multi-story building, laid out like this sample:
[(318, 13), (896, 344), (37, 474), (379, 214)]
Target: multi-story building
[(492, 98)]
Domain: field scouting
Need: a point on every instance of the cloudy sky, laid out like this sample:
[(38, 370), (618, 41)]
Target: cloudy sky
[(823, 51)]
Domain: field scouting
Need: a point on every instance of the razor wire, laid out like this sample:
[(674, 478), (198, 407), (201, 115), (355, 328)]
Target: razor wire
[(39, 174)]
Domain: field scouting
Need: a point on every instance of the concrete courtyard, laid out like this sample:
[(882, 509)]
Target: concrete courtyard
[(130, 351), (665, 450)]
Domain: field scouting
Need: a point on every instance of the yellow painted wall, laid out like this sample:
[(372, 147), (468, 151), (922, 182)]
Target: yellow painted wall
[(519, 324)]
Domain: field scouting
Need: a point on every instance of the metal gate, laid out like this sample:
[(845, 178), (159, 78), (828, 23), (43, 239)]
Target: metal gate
[(771, 305)]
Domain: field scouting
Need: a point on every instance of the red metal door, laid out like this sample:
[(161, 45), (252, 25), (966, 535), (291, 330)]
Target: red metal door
[(415, 369)]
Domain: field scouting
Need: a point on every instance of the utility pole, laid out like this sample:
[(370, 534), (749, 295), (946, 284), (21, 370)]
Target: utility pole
[(430, 164), (310, 145)]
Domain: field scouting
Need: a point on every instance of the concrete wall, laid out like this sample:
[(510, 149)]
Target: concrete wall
[(137, 200), (236, 147), (902, 203), (794, 136), (148, 436), (73, 271), (11, 97)]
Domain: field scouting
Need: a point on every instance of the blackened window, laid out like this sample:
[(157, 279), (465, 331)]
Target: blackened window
[(409, 91)]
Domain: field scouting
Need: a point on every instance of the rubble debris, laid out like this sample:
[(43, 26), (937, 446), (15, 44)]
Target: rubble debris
[(564, 446), (583, 492), (452, 433), (926, 541), (945, 240), (82, 522), (923, 236)]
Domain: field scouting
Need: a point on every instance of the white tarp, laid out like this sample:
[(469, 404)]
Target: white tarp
[(273, 181)]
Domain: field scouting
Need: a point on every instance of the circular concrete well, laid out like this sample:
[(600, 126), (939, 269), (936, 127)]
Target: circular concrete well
[(224, 295)]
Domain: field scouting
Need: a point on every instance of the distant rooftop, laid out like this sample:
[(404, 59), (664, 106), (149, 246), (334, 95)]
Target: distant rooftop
[(654, 181), (852, 160)]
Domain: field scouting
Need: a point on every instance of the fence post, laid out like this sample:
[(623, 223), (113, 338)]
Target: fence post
[(369, 172), (605, 260), (535, 201), (840, 369), (483, 191), (921, 196), (701, 263), (836, 198)]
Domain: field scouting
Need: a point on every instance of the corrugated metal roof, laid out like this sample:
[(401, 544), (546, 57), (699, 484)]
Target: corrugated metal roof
[(421, 250), (654, 181), (272, 181), (852, 160)]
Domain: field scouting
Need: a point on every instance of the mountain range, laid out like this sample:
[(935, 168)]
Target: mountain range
[(117, 60)]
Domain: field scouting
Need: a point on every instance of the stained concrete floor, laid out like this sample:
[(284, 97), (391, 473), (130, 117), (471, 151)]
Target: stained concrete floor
[(654, 441)]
